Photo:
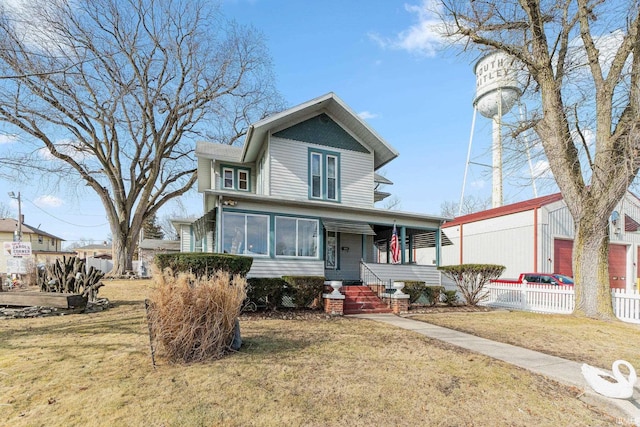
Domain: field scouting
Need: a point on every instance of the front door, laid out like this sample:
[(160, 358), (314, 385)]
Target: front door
[(343, 253)]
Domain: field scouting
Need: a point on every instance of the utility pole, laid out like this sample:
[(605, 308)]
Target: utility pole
[(13, 196)]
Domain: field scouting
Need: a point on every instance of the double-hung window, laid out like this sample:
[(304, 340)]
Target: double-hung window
[(324, 175)]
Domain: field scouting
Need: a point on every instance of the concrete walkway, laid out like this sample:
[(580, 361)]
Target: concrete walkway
[(558, 369)]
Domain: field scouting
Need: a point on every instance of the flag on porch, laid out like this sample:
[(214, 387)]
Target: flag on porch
[(395, 246)]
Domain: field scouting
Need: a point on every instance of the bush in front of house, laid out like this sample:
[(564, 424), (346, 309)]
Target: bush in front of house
[(450, 297), (415, 290), (422, 294), (204, 263), (306, 290), (471, 278), (266, 292), (193, 318)]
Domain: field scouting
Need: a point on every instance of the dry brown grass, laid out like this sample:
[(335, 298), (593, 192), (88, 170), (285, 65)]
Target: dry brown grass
[(193, 318), (590, 341), (95, 370)]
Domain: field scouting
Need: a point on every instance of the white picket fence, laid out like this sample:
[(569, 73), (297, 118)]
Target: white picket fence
[(555, 299)]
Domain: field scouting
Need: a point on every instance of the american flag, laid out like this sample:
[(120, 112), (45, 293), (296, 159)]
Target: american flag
[(395, 247)]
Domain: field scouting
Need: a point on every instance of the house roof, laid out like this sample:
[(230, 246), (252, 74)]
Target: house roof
[(160, 245), (381, 179), (385, 216), (505, 210), (330, 104), (226, 153), (10, 225), (93, 247)]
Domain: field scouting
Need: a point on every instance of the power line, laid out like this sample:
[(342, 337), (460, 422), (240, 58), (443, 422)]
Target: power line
[(62, 220)]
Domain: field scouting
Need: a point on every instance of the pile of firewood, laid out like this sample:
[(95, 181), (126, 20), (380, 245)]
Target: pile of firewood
[(70, 276)]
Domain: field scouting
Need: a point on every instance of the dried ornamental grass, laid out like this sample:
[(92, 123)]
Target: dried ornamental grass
[(192, 318)]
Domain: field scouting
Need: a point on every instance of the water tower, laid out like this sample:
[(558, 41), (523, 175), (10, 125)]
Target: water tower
[(496, 92)]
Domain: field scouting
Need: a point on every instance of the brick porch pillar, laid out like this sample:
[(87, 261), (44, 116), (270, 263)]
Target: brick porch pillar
[(334, 302)]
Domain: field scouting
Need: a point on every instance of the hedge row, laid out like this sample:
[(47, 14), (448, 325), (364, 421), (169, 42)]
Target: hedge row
[(289, 291)]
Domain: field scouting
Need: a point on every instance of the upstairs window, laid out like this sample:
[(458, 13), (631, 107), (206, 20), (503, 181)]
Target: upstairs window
[(243, 180), (227, 178), (235, 178), (316, 175), (324, 175)]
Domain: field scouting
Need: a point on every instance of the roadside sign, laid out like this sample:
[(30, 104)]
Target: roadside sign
[(16, 266), (17, 249)]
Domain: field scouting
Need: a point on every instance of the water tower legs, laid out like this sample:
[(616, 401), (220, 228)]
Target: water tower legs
[(496, 195)]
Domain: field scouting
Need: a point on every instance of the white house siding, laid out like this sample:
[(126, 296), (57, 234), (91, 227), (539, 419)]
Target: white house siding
[(185, 238), (205, 171), (269, 267), (289, 172), (506, 240)]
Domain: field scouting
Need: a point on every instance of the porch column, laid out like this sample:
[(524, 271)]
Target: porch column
[(403, 236), (411, 249), (438, 244), (388, 251)]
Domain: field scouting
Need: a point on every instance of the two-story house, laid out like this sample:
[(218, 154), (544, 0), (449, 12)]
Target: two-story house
[(45, 247), (299, 197)]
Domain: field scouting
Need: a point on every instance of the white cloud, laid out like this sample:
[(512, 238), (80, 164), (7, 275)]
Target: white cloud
[(7, 138), (48, 201), (478, 184), (367, 115), (65, 146), (423, 38), (541, 169)]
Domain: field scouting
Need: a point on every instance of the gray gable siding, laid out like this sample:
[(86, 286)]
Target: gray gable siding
[(322, 130), (290, 174)]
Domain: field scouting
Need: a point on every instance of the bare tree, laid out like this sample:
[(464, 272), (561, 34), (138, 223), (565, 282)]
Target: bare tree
[(582, 58), (470, 204), (116, 91)]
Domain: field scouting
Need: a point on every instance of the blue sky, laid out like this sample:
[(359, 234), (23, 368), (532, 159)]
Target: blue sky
[(381, 58)]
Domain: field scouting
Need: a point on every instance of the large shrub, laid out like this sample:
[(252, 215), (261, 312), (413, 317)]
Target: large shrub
[(193, 318), (471, 278), (204, 263), (421, 293), (305, 290), (266, 292)]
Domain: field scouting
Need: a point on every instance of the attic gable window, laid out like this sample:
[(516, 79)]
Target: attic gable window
[(324, 175)]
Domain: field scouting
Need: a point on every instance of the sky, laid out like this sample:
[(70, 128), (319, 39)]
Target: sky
[(382, 59)]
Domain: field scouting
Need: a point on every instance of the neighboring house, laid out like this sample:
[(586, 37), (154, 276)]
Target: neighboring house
[(45, 247), (537, 236), (149, 248), (299, 197), (102, 251)]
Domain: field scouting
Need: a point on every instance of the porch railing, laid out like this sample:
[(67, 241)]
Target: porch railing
[(371, 279)]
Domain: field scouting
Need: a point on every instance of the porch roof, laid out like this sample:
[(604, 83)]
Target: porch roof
[(339, 212), (347, 227)]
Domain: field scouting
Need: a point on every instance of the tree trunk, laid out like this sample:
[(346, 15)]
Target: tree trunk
[(591, 270), (122, 253)]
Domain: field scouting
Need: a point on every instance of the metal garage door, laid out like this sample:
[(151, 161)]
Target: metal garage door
[(618, 266), (562, 250)]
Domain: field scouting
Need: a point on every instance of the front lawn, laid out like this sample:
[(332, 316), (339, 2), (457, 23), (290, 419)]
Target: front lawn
[(95, 370)]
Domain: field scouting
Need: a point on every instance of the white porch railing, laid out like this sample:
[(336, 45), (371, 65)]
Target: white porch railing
[(555, 299)]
